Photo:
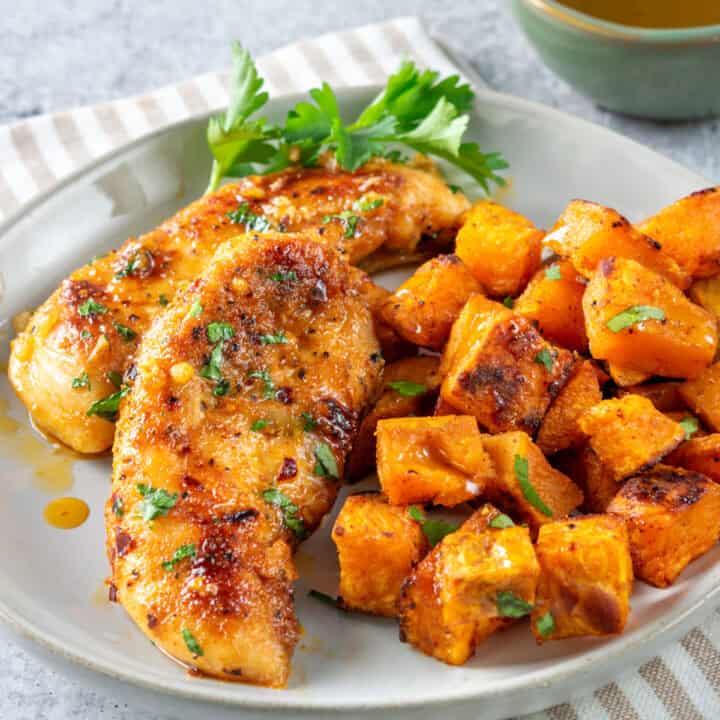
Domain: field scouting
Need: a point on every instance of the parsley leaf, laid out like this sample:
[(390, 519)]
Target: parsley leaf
[(501, 521), (222, 388), (115, 378), (284, 276), (217, 331), (251, 221), (118, 507), (348, 221), (406, 388), (211, 370), (309, 422), (268, 384), (85, 334), (195, 309), (434, 530), (288, 508), (126, 333), (107, 408), (552, 272), (511, 605), (90, 308), (184, 551), (545, 624), (509, 302), (545, 357), (522, 473), (82, 381), (259, 425), (156, 502), (163, 300), (277, 339), (689, 424), (365, 204), (326, 465), (634, 314), (191, 643)]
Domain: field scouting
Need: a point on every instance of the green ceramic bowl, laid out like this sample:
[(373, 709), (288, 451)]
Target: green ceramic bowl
[(661, 74)]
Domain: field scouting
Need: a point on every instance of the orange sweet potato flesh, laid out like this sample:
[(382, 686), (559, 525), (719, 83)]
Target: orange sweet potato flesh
[(559, 429), (378, 545), (583, 466), (586, 233), (555, 304), (421, 370), (586, 559), (706, 293), (665, 396), (681, 345), (702, 396), (625, 377), (494, 369), (501, 248), (672, 516), (449, 603), (699, 454), (423, 309), (629, 435), (689, 231), (439, 460), (558, 493)]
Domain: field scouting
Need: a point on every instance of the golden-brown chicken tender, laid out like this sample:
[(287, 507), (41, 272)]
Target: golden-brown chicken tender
[(230, 448)]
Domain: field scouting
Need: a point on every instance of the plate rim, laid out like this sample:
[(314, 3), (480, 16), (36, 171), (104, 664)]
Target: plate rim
[(544, 678)]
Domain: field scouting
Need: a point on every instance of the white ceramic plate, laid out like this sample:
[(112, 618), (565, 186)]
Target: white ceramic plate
[(51, 580)]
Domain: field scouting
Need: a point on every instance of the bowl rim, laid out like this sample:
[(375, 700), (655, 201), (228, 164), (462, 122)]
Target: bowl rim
[(562, 14)]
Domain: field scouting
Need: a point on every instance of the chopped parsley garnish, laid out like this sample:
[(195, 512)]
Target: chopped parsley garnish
[(163, 300), (268, 384), (82, 381), (222, 388), (126, 333), (288, 508), (183, 552), (689, 424), (545, 357), (454, 189), (553, 272), (348, 221), (365, 204), (546, 624), (326, 465), (274, 339), (129, 269), (195, 309), (501, 521), (90, 308), (522, 473), (309, 422), (191, 643), (85, 334), (509, 302), (114, 377), (251, 221), (635, 314), (217, 331), (259, 425), (283, 276), (434, 530), (323, 598), (511, 605), (408, 389), (108, 407), (118, 506), (156, 502)]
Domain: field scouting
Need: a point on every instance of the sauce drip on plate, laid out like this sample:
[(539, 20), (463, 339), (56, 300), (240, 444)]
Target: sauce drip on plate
[(66, 513)]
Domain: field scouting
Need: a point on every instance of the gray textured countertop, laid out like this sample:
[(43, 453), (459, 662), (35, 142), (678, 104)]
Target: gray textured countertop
[(56, 55)]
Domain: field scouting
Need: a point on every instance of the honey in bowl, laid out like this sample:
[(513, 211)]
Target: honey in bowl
[(663, 14)]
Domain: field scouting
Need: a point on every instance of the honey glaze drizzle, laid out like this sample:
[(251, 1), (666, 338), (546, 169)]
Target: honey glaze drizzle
[(66, 513)]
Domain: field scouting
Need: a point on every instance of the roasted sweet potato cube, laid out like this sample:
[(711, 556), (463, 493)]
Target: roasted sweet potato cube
[(672, 516), (689, 231), (586, 577), (638, 320), (597, 483), (624, 377), (706, 293), (423, 309), (409, 387), (501, 248), (378, 546), (439, 460), (699, 454), (702, 396), (472, 583), (553, 299), (629, 435), (665, 396), (502, 370), (559, 429), (525, 485), (587, 232)]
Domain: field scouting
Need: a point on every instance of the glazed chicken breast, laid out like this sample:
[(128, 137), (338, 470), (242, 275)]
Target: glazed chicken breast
[(230, 447), (82, 340)]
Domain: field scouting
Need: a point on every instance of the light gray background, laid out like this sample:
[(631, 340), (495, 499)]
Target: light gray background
[(58, 54)]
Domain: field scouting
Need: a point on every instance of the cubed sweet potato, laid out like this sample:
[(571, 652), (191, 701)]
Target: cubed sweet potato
[(502, 370), (584, 468), (672, 516), (477, 580), (586, 578), (423, 309), (638, 320), (587, 232), (629, 435), (706, 293), (553, 299), (689, 231), (699, 454), (702, 396), (378, 546), (625, 377), (409, 387), (525, 485), (559, 429), (439, 460), (501, 248), (665, 396)]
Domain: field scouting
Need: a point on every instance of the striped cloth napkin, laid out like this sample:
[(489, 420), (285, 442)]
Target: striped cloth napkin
[(683, 682)]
